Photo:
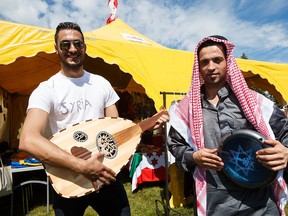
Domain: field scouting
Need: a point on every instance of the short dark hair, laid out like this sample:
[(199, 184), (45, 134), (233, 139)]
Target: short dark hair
[(211, 43), (67, 25)]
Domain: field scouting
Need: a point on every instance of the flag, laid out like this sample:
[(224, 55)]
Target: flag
[(147, 167), (113, 5)]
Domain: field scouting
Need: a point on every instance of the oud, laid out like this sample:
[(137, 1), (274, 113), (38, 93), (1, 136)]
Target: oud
[(116, 137)]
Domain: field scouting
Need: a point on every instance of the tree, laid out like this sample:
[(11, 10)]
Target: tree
[(244, 56)]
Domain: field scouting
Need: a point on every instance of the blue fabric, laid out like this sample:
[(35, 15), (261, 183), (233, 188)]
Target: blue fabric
[(16, 164), (32, 160)]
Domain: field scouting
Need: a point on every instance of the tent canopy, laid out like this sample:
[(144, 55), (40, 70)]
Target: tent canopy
[(115, 51), (128, 59), (27, 57)]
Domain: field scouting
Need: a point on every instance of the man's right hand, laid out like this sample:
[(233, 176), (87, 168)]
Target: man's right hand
[(206, 158), (94, 170)]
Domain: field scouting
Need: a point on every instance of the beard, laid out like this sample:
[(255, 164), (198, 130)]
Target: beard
[(71, 66)]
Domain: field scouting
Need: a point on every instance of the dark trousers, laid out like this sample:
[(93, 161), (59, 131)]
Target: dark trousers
[(110, 201)]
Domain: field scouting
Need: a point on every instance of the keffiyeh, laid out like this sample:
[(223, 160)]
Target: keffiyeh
[(190, 111)]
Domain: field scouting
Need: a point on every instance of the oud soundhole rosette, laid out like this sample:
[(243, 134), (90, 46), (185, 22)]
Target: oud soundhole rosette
[(107, 144), (80, 136)]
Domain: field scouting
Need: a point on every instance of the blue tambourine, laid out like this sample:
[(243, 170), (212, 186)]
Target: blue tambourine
[(238, 153)]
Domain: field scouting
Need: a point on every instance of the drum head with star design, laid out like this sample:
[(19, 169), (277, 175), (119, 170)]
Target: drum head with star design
[(238, 153)]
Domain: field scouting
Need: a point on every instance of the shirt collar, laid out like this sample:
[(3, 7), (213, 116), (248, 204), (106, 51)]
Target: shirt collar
[(222, 93)]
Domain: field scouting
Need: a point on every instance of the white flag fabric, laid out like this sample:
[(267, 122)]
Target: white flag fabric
[(113, 5)]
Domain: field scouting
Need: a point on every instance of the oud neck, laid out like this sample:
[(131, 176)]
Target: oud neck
[(150, 122)]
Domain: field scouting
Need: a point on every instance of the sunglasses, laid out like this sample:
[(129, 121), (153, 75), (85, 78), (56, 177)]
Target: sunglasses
[(65, 45)]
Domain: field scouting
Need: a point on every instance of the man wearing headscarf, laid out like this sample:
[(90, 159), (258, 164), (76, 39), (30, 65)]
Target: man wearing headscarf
[(217, 104)]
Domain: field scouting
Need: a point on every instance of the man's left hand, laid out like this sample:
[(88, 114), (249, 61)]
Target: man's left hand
[(274, 158), (165, 117)]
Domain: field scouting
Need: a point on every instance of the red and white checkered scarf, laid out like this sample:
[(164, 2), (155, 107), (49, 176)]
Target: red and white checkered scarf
[(190, 111)]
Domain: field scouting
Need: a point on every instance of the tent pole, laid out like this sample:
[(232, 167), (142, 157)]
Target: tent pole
[(167, 205)]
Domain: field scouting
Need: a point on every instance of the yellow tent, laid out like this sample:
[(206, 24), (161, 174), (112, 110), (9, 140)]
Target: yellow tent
[(272, 77), (27, 56), (128, 59)]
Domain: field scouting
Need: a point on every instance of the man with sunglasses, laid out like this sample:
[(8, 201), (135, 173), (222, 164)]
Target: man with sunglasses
[(70, 96)]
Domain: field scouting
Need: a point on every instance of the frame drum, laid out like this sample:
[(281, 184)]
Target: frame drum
[(238, 152)]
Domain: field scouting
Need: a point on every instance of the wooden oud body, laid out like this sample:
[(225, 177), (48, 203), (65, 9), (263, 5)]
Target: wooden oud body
[(81, 140)]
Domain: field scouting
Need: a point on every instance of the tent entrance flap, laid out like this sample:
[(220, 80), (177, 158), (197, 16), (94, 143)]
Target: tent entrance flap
[(259, 83), (120, 80)]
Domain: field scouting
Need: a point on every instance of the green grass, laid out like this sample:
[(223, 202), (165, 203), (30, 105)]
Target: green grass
[(142, 202)]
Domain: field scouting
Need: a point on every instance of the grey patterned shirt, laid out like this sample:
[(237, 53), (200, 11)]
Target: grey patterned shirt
[(224, 197)]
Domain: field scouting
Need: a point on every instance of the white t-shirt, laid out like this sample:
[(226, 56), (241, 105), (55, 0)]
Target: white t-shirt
[(73, 100)]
